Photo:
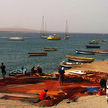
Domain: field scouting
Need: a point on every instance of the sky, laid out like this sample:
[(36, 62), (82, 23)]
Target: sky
[(83, 16)]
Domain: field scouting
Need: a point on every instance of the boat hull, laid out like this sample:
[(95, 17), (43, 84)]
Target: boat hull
[(50, 49), (101, 51), (68, 64), (16, 38), (37, 53), (80, 59), (54, 37), (91, 46), (85, 52)]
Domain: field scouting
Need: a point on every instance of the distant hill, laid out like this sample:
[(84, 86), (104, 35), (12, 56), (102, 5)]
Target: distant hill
[(18, 30)]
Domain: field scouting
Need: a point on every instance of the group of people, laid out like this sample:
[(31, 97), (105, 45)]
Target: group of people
[(37, 71)]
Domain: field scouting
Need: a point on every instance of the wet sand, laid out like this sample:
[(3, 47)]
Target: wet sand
[(93, 101)]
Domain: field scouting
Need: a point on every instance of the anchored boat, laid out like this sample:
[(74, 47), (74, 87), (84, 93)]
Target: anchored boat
[(16, 38), (94, 42), (80, 59), (85, 52), (92, 46), (54, 37), (101, 51), (50, 49), (37, 53)]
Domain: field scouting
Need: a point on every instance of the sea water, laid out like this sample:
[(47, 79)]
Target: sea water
[(14, 54)]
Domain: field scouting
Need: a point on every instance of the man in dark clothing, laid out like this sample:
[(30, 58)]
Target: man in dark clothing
[(3, 70), (33, 71), (39, 70), (103, 83), (61, 75)]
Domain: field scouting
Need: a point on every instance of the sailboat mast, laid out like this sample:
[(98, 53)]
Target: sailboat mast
[(43, 29), (66, 28)]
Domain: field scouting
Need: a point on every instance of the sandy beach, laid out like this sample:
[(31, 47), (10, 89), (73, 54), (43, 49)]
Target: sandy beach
[(91, 101)]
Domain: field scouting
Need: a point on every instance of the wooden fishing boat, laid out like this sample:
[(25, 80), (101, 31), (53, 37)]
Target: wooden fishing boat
[(50, 49), (85, 52), (37, 53), (101, 51), (69, 64), (94, 42), (80, 59), (92, 46)]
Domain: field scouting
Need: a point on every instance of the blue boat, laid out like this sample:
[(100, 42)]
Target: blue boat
[(92, 46)]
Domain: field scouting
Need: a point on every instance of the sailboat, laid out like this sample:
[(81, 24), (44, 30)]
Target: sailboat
[(66, 36), (43, 32)]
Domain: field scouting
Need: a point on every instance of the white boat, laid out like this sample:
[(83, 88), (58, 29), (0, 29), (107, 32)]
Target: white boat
[(77, 72), (69, 64), (66, 36), (16, 38), (43, 31)]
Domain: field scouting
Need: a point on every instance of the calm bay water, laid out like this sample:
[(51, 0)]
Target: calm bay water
[(14, 53)]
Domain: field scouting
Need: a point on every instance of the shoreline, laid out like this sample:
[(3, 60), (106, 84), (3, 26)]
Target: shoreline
[(23, 86)]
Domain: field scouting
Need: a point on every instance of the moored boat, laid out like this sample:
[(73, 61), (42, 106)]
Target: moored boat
[(101, 51), (80, 59), (43, 31), (54, 37), (94, 42), (66, 36), (50, 49), (69, 64), (37, 53), (92, 46), (16, 38), (85, 52)]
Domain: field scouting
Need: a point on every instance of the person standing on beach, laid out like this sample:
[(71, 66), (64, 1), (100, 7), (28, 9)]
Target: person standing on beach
[(3, 71), (61, 75)]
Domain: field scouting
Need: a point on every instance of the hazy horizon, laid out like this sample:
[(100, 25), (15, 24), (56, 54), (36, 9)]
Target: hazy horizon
[(84, 16)]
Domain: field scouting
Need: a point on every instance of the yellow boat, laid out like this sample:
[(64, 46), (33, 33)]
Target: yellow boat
[(54, 37), (80, 59)]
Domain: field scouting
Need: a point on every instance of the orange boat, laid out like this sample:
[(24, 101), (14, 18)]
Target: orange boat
[(101, 51)]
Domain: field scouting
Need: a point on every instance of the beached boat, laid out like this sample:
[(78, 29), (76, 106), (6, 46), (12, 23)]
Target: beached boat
[(16, 38), (77, 72), (85, 52), (68, 64), (101, 51), (80, 59), (94, 42), (37, 53), (50, 49), (43, 31), (92, 46), (54, 37), (66, 36)]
